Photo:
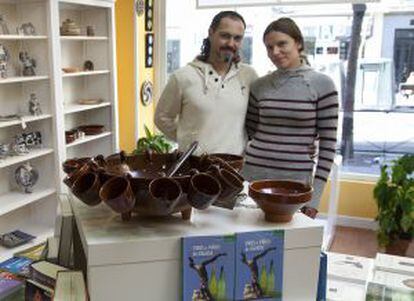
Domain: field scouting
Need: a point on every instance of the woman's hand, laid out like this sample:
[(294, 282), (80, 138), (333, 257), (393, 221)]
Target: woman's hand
[(309, 211)]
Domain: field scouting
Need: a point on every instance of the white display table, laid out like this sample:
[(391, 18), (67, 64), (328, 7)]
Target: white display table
[(141, 259)]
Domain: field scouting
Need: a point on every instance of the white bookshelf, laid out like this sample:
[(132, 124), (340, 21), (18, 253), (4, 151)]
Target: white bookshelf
[(83, 38), (85, 73), (58, 94), (89, 138), (22, 79), (74, 108), (24, 119), (21, 37)]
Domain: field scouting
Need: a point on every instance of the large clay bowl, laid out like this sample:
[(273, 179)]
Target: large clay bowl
[(279, 199), (234, 161)]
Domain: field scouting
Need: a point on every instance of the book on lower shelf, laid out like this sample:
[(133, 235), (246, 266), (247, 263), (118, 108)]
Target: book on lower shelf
[(349, 268), (70, 285), (208, 267), (394, 264), (381, 292), (9, 286), (66, 232), (17, 265), (34, 253), (45, 272), (37, 291), (259, 265)]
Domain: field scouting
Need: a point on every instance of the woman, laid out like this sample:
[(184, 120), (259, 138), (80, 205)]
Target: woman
[(292, 116)]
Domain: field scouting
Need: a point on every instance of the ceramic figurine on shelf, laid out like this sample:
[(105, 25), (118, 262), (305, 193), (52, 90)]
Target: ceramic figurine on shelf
[(34, 105), (4, 57), (26, 176), (3, 26), (28, 63), (4, 150), (88, 66), (26, 29), (90, 30)]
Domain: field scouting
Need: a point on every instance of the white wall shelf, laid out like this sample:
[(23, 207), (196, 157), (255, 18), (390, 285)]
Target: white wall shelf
[(35, 153), (25, 119), (17, 199), (85, 73), (75, 108), (58, 94), (21, 79), (89, 138), (83, 38), (20, 37)]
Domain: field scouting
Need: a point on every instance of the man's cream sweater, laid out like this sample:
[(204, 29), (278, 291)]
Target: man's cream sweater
[(199, 105)]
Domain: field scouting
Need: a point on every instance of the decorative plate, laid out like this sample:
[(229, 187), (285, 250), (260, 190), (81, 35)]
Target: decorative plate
[(146, 93)]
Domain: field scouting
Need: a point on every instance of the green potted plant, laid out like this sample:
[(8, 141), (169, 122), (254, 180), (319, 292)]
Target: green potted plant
[(394, 194), (152, 143)]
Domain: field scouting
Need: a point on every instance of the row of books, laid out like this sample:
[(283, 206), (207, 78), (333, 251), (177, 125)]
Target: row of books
[(386, 277), (43, 272), (243, 266)]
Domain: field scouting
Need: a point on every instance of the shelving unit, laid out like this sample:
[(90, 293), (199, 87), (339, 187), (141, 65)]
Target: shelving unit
[(58, 94)]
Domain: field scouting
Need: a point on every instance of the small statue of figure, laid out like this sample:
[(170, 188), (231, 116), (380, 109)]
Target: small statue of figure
[(34, 105), (26, 29), (3, 26), (88, 66), (4, 57), (29, 64)]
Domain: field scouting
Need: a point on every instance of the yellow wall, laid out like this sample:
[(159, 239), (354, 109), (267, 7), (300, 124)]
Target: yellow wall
[(125, 31), (355, 197)]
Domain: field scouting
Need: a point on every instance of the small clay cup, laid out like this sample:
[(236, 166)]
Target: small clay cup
[(231, 186), (117, 194), (86, 188), (203, 191), (165, 194)]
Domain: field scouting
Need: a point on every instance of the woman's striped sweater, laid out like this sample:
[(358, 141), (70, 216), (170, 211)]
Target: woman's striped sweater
[(292, 121)]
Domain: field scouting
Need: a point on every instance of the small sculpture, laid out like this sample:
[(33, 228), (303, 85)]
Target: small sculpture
[(26, 177), (70, 28), (26, 29), (3, 26), (34, 105), (29, 64), (90, 30), (88, 66), (4, 57), (4, 150)]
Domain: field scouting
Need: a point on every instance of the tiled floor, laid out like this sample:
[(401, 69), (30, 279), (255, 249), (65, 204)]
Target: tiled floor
[(357, 241)]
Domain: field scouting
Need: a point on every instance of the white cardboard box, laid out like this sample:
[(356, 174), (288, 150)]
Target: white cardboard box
[(349, 268), (394, 264), (141, 259), (337, 290)]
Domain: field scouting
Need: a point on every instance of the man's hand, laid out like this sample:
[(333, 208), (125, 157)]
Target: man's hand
[(309, 211)]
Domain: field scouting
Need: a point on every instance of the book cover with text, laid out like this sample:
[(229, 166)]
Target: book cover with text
[(259, 265), (208, 268)]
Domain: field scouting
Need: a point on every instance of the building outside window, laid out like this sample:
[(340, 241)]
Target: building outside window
[(383, 111)]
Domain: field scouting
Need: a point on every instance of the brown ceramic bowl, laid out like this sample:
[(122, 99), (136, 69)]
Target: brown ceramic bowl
[(234, 161), (279, 199), (91, 129)]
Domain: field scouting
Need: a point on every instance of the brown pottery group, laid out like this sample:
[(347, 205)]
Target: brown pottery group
[(138, 183)]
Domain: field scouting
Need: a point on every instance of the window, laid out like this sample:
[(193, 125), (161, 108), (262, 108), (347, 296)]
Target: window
[(383, 119)]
